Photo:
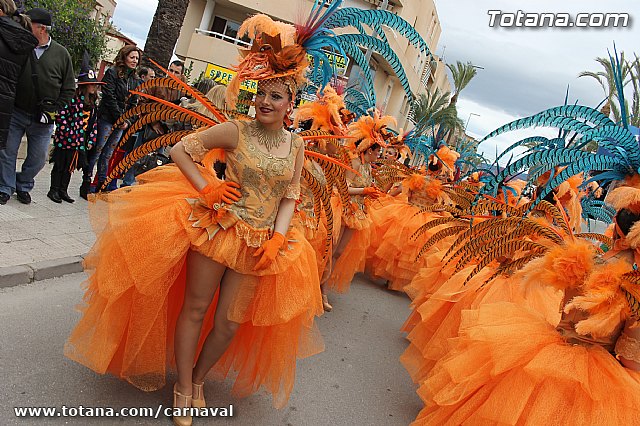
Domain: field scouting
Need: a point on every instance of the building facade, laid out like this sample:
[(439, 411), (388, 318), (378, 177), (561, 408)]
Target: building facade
[(209, 43)]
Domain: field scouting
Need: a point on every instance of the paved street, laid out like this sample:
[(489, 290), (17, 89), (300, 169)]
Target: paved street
[(44, 230), (357, 380)]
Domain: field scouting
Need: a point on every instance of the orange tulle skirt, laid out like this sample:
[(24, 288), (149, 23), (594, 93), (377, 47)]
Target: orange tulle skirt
[(382, 213), (316, 235), (509, 366), (136, 286), (444, 297), (396, 258), (351, 261)]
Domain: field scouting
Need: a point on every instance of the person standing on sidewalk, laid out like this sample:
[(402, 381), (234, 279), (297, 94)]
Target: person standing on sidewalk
[(76, 133), (45, 86), (16, 44), (119, 80)]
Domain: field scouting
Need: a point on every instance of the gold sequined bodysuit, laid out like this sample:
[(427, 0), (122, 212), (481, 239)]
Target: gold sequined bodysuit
[(264, 180), (363, 180)]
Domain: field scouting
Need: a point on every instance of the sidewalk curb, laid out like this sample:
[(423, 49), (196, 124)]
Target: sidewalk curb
[(11, 276)]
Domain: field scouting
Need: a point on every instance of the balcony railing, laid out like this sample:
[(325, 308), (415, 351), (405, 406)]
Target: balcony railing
[(224, 37)]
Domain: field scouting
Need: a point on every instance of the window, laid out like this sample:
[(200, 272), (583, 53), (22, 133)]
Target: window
[(227, 28)]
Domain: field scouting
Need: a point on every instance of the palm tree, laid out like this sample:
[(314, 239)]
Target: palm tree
[(462, 75), (607, 82), (434, 110), (634, 116), (164, 31)]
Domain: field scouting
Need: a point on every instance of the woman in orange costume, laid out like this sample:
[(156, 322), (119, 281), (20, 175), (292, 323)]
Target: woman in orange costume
[(396, 257), (321, 115), (382, 211), (510, 365), (349, 255), (207, 271)]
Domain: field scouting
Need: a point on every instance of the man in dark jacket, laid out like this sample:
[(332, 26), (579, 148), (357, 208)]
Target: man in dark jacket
[(45, 86), (16, 43)]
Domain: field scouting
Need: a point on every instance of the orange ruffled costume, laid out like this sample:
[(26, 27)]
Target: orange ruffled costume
[(353, 258), (383, 212), (509, 364), (137, 276), (396, 257), (313, 228)]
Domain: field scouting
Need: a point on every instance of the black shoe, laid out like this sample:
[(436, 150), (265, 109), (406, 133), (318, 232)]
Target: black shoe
[(65, 196), (23, 197), (4, 198), (84, 188), (54, 196)]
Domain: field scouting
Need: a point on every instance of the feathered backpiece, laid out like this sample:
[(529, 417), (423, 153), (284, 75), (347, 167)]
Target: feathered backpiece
[(370, 130), (324, 113), (444, 161), (280, 50)]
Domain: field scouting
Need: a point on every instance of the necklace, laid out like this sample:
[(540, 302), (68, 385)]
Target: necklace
[(270, 139)]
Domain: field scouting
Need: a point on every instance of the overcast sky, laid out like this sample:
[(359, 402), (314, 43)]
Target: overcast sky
[(526, 70)]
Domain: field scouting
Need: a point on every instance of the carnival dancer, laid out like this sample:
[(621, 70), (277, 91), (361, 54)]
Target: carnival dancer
[(396, 258), (321, 115), (509, 364), (224, 283), (76, 133), (349, 256)]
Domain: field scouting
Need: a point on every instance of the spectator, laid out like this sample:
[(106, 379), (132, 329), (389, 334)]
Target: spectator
[(153, 130), (129, 177), (119, 80), (45, 86), (16, 43), (76, 132), (176, 68), (146, 74)]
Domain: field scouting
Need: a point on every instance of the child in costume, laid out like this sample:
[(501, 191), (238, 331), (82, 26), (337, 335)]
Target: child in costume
[(76, 132), (224, 284)]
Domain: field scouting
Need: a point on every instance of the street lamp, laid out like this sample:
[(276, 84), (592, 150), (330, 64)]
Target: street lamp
[(470, 114)]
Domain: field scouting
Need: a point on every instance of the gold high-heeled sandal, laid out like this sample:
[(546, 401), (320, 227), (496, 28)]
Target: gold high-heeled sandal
[(325, 303), (197, 400), (181, 420)]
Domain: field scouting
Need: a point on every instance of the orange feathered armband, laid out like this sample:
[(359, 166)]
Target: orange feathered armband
[(604, 300)]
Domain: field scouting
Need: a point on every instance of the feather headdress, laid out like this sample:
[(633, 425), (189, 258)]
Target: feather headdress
[(370, 130), (280, 50)]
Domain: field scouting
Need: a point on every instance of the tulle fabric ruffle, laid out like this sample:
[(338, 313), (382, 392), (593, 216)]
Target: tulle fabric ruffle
[(316, 236), (437, 318), (381, 212), (396, 258), (352, 260), (136, 288), (510, 366)]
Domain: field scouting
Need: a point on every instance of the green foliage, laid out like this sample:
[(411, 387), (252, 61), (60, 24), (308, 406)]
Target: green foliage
[(462, 75), (433, 110), (188, 71), (74, 28)]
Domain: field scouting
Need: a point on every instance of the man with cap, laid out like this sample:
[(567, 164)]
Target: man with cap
[(46, 85)]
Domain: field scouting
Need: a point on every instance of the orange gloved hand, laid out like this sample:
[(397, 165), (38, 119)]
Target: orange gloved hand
[(372, 192), (226, 192), (269, 251)]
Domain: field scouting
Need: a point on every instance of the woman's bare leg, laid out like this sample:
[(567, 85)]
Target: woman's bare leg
[(203, 277), (223, 331), (345, 238)]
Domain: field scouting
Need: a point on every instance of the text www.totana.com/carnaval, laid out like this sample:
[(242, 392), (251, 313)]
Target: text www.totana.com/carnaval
[(520, 19), (155, 412)]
